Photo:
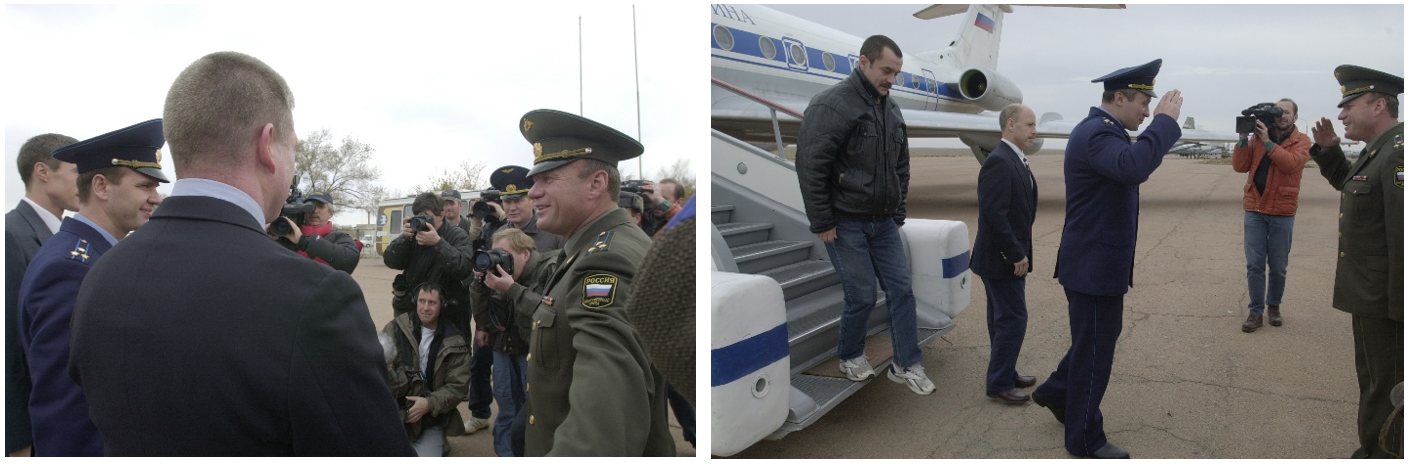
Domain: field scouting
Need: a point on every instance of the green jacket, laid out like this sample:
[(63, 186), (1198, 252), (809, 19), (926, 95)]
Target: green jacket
[(592, 388), (514, 308), (450, 376), (1371, 239)]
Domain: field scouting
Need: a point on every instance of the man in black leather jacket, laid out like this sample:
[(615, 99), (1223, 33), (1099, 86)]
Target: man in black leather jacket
[(854, 168), (440, 253)]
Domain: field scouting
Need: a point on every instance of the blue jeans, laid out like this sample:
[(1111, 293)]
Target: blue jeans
[(864, 252), (1267, 241), (429, 443), (509, 372)]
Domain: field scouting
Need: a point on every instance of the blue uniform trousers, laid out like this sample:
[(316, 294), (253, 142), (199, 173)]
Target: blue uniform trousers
[(1081, 378), (1008, 322)]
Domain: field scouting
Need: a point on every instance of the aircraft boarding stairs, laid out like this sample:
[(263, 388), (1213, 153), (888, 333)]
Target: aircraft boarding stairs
[(759, 230)]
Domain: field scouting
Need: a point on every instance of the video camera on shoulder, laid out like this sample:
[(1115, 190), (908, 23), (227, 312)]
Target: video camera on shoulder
[(485, 261), (481, 209), (637, 186), (1266, 112), (296, 207)]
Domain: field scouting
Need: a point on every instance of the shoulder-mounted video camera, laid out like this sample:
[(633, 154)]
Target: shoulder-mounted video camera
[(637, 186), (1266, 112), (296, 207)]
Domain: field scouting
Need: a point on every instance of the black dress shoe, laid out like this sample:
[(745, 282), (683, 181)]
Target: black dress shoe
[(1110, 451), (1014, 396), (1057, 408), (1024, 381)]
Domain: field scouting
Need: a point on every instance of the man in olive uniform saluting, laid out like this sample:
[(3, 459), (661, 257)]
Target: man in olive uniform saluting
[(1370, 280), (592, 390)]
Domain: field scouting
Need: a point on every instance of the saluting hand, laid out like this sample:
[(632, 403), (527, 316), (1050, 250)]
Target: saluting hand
[(1324, 134), (1170, 104)]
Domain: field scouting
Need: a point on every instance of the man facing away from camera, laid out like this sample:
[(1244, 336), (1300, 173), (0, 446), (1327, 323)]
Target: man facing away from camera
[(199, 335), (854, 193)]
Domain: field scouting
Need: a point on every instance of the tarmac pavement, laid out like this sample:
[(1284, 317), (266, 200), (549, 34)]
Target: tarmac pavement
[(376, 282), (1186, 382)]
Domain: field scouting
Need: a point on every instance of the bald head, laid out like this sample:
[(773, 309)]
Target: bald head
[(1018, 125)]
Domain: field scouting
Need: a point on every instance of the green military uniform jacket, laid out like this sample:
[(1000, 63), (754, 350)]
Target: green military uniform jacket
[(592, 389), (1370, 245), (514, 309)]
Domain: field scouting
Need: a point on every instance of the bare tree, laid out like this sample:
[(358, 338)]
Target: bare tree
[(680, 170), (341, 169), (467, 176), (368, 202)]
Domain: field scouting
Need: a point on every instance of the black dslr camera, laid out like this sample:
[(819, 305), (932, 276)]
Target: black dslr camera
[(481, 209), (1266, 112), (637, 186), (295, 208), (485, 261), (422, 222)]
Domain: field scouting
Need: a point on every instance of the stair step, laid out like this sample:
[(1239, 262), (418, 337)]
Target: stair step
[(761, 256), (744, 233), (803, 278), (720, 214)]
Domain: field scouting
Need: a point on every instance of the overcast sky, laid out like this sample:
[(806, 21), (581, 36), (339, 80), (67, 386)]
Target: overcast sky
[(427, 87), (1222, 58)]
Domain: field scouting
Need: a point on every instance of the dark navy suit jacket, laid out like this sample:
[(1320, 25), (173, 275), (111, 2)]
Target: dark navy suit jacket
[(199, 336), (25, 232), (1104, 171), (1008, 201), (56, 405)]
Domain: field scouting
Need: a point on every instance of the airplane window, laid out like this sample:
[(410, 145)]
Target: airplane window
[(799, 56), (724, 37), (829, 61), (766, 45)]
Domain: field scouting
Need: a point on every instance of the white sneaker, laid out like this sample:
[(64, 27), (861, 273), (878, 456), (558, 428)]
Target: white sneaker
[(475, 423), (857, 369), (913, 377)]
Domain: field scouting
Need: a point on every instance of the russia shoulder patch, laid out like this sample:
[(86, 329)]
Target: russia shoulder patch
[(599, 290), (1400, 176)]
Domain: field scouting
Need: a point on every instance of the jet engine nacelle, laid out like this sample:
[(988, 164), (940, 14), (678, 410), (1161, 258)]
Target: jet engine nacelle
[(987, 89)]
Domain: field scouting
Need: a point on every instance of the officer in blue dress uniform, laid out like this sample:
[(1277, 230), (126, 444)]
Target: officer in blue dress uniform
[(1103, 170), (114, 201)]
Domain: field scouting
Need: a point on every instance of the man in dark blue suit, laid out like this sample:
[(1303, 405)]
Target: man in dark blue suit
[(1103, 170), (200, 336), (114, 200), (50, 187), (1003, 248)]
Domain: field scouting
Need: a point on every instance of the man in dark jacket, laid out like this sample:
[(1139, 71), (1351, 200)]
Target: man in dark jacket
[(854, 167), (50, 187), (1003, 248), (430, 373), (439, 253), (1103, 170), (317, 240), (198, 335)]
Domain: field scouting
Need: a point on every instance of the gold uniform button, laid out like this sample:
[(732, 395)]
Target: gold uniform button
[(531, 420), (1341, 215), (1343, 254), (530, 356)]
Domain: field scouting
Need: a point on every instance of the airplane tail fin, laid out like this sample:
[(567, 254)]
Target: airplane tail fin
[(977, 43)]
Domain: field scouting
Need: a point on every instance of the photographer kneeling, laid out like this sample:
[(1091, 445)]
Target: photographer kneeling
[(506, 290), (430, 372), (317, 240), (1274, 161)]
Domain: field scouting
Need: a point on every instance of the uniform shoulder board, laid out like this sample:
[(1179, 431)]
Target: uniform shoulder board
[(1399, 141), (1107, 120), (601, 244), (80, 251)]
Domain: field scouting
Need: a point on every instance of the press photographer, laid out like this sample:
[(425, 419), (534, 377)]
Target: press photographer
[(451, 211), (505, 292), (1274, 161), (486, 216), (430, 250), (307, 229), (429, 373)]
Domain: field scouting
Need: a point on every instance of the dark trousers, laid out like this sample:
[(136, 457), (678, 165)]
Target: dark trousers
[(1008, 322), (684, 411), (1080, 379), (1380, 357), (481, 396)]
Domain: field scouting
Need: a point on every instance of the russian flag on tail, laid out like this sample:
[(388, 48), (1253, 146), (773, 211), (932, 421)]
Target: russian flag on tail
[(984, 23)]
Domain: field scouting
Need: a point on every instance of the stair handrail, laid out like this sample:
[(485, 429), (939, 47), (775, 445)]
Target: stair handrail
[(773, 107)]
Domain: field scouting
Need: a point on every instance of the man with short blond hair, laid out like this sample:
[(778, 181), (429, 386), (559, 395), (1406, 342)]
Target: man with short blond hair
[(275, 355)]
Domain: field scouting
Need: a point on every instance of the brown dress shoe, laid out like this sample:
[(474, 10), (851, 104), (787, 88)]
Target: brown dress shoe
[(1024, 381), (1014, 396), (1275, 318), (1253, 322)]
